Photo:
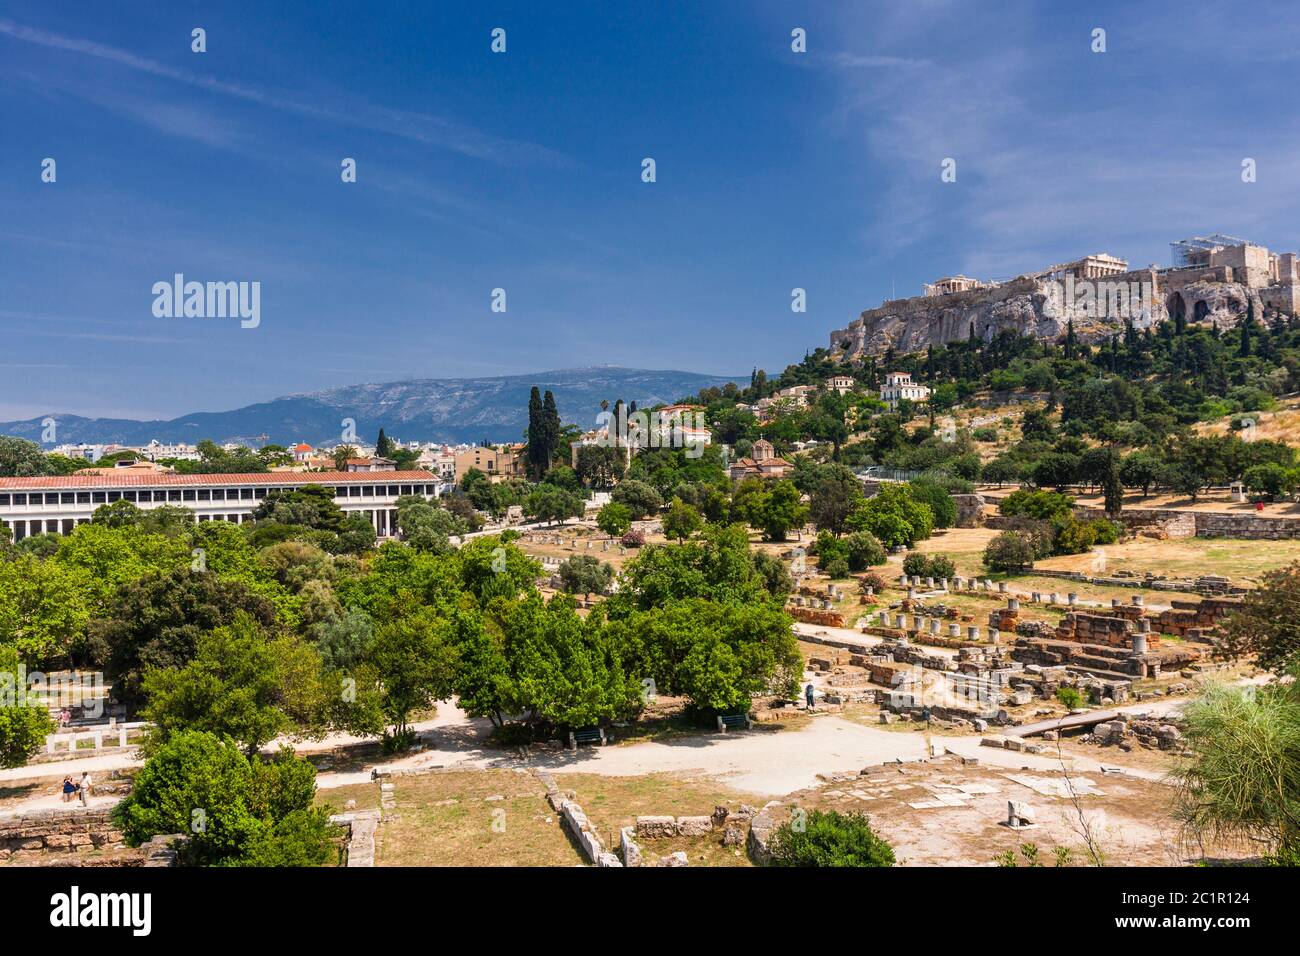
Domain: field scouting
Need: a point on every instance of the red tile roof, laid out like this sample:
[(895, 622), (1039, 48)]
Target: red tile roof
[(116, 480)]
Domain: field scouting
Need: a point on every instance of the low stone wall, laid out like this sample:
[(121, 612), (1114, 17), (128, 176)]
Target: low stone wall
[(1201, 524), (1252, 527), (359, 835), (586, 835), (58, 831)]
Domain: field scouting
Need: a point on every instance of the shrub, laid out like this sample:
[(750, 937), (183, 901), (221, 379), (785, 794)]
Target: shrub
[(838, 568), (915, 564), (938, 566), (941, 567), (864, 551), (1074, 537), (634, 538), (985, 434), (1070, 697), (1107, 532), (1042, 505), (1009, 551), (829, 839), (871, 580)]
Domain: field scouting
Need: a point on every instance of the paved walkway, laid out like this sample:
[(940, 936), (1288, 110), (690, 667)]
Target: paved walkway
[(767, 762)]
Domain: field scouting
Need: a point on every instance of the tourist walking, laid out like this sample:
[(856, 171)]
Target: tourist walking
[(84, 788), (808, 695)]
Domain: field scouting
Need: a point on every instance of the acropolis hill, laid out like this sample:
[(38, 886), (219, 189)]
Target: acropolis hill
[(1213, 279)]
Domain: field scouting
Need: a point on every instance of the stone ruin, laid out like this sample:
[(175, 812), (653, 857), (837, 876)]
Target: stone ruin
[(810, 615), (1115, 643), (734, 825), (1125, 730), (1196, 620), (64, 837)]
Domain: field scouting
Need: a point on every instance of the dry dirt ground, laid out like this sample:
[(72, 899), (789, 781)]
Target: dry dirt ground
[(1127, 818), (1241, 561)]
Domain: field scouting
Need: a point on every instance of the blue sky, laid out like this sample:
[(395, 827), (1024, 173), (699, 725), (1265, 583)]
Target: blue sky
[(522, 171)]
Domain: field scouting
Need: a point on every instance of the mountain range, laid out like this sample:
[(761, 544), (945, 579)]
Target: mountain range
[(443, 410)]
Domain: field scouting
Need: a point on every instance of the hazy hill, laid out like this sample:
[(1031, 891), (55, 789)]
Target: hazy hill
[(447, 410)]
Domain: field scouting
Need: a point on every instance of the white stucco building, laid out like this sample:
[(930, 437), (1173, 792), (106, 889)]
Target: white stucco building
[(899, 386)]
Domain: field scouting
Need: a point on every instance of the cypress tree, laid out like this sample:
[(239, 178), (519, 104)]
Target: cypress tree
[(550, 428), (536, 433)]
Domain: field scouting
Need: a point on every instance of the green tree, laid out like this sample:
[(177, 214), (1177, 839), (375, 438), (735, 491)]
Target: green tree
[(1270, 479), (833, 498), (157, 621), (119, 514), (234, 811), (20, 457), (536, 435), (414, 657), (243, 684), (24, 720), (681, 521), (1264, 626), (427, 527), (343, 454), (614, 519), (1141, 469), (45, 608), (641, 499), (311, 506), (720, 654), (782, 510), (584, 574), (893, 517), (551, 503), (937, 498), (564, 671), (600, 466)]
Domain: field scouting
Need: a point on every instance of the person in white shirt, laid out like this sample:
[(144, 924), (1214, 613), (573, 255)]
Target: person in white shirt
[(84, 788)]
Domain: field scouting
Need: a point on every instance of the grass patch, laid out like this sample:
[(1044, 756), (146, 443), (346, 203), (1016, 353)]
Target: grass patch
[(444, 819), (612, 803)]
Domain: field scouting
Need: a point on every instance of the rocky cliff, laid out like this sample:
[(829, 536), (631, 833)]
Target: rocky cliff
[(1041, 307), (909, 325)]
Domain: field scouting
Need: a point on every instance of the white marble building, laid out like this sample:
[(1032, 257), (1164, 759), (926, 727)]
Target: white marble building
[(44, 504)]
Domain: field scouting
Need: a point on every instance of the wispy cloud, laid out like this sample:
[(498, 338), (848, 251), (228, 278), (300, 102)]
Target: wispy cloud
[(418, 127)]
